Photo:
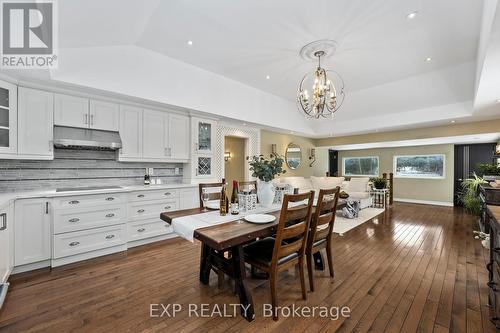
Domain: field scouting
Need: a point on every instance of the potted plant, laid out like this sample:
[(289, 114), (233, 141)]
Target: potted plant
[(379, 183), (469, 195), (265, 169)]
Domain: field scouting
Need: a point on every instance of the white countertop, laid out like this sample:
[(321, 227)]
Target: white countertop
[(7, 198)]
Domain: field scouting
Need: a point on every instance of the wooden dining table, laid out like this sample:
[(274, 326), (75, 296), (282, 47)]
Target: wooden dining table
[(231, 237)]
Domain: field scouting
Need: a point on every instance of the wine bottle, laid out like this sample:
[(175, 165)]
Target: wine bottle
[(235, 208), (223, 208)]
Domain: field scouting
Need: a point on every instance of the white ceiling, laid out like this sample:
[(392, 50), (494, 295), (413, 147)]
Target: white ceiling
[(381, 56)]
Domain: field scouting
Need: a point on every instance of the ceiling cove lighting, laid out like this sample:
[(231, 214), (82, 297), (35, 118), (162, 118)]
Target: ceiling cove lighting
[(411, 15), (320, 93)]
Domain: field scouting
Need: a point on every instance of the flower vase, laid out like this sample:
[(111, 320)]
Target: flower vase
[(265, 193)]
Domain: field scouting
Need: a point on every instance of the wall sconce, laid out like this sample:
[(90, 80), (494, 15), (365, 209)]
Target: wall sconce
[(273, 149), (312, 156), (227, 156)]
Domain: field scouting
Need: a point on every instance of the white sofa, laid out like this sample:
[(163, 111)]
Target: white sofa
[(358, 188)]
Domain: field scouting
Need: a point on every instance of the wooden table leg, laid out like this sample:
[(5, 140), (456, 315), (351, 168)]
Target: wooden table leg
[(247, 309), (205, 264)]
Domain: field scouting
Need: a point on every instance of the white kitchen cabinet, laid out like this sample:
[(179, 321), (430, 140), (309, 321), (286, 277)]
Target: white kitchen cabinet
[(203, 131), (32, 231), (178, 137), (35, 124), (6, 243), (130, 133), (71, 111), (104, 115), (154, 133), (8, 120), (189, 198)]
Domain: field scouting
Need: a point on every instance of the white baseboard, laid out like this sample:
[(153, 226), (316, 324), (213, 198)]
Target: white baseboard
[(31, 267), (425, 202)]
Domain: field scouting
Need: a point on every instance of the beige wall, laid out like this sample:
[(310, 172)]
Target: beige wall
[(282, 140), (490, 126), (413, 189), (234, 169)]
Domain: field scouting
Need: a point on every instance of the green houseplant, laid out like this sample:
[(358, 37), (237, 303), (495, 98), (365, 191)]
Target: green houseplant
[(379, 183), (488, 169), (265, 169), (469, 195)]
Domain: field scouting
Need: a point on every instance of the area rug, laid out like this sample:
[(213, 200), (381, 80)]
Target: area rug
[(343, 225)]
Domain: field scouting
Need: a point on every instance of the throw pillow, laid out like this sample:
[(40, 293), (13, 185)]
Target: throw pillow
[(358, 184)]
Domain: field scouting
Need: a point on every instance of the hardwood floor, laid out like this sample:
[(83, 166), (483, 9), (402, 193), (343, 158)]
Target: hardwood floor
[(420, 269)]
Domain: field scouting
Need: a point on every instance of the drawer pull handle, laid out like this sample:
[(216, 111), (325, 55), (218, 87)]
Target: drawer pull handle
[(140, 196), (141, 230), (110, 236), (74, 202), (141, 211), (74, 220), (168, 193), (168, 207), (110, 199), (110, 215), (74, 243)]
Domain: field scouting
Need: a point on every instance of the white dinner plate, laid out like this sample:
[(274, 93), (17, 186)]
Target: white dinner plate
[(260, 218), (214, 204)]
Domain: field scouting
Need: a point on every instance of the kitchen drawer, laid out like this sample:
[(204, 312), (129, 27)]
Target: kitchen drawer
[(154, 195), (68, 220), (89, 200), (150, 209), (88, 240), (146, 229)]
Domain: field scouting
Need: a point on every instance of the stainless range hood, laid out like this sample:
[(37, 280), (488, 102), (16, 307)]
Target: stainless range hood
[(84, 138)]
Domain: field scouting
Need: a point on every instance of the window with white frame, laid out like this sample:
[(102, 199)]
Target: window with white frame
[(420, 166), (360, 166)]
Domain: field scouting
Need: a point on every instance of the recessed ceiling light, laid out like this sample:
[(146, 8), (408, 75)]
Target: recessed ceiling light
[(453, 121), (267, 77), (190, 42), (244, 124), (428, 59), (411, 15), (292, 132), (498, 101)]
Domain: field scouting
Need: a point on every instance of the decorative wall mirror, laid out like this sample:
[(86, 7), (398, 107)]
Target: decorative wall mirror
[(293, 156)]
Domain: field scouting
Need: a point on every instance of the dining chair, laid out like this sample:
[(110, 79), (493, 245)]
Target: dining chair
[(321, 230), (287, 249), (212, 195), (251, 185)]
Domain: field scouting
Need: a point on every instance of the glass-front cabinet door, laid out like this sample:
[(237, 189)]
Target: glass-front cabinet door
[(204, 135), (8, 118), (204, 166)]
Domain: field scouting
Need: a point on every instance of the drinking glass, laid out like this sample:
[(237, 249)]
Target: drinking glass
[(205, 197)]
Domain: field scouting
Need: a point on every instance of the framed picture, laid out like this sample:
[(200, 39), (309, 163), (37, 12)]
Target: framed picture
[(420, 166)]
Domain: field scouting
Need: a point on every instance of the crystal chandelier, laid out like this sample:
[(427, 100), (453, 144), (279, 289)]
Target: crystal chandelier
[(327, 93)]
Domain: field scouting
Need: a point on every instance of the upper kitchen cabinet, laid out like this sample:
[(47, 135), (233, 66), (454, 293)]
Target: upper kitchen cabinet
[(130, 133), (154, 133), (104, 115), (203, 135), (178, 137), (35, 124), (8, 120), (71, 111), (165, 136), (81, 112)]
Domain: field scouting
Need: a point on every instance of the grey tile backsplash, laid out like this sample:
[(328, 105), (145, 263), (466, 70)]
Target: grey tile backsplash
[(73, 168)]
